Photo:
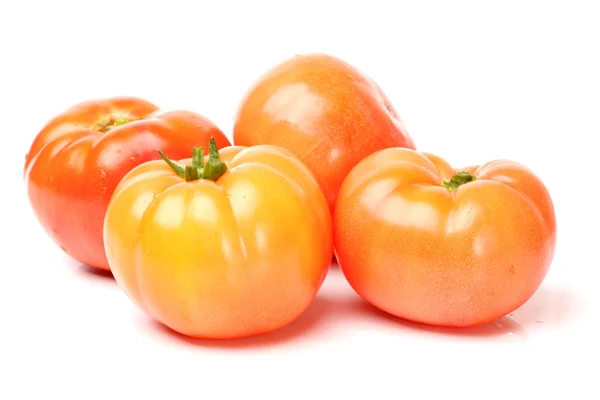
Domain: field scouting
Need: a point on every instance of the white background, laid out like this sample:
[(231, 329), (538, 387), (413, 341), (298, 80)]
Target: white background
[(472, 82)]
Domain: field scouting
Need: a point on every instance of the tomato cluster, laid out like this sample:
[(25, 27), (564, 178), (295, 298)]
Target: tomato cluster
[(237, 240)]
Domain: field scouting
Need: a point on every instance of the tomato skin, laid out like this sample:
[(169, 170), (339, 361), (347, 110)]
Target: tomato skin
[(241, 256), (73, 166), (420, 251), (328, 113)]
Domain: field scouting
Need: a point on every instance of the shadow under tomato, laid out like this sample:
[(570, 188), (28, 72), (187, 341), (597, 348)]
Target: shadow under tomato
[(297, 330), (95, 273), (547, 308), (90, 274), (500, 327)]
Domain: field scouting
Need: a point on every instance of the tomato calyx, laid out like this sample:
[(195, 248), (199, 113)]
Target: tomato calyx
[(212, 170), (110, 122), (459, 179)]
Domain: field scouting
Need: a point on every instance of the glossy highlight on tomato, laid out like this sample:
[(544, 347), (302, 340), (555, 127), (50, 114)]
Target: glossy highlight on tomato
[(79, 157), (224, 247), (442, 246)]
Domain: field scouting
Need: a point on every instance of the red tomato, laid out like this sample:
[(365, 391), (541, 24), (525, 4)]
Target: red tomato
[(79, 157), (432, 244), (326, 112)]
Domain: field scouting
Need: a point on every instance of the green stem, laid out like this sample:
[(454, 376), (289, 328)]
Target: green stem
[(109, 122), (121, 121), (213, 169), (191, 173), (179, 170), (198, 157), (459, 179)]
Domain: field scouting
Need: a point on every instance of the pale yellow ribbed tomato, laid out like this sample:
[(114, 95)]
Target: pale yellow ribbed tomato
[(221, 249)]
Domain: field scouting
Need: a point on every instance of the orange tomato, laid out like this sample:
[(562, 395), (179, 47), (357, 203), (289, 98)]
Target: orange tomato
[(222, 249), (328, 113), (80, 156), (423, 241)]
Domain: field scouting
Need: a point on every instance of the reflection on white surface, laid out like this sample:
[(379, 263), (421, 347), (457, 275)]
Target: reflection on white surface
[(550, 307), (338, 312)]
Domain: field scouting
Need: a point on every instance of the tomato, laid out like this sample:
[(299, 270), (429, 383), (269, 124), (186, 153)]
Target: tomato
[(80, 156), (232, 248), (328, 113), (428, 243)]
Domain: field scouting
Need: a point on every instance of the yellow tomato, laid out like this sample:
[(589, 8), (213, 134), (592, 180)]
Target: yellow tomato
[(221, 249)]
